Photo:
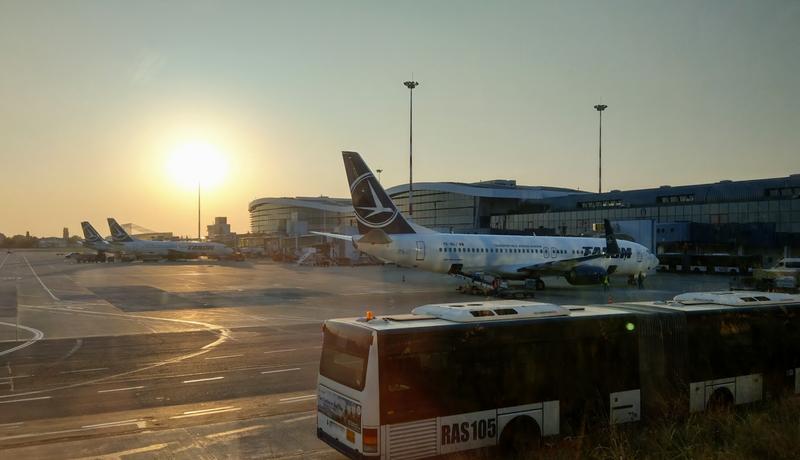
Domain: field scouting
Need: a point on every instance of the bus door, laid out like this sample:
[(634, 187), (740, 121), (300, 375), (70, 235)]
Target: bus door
[(420, 250)]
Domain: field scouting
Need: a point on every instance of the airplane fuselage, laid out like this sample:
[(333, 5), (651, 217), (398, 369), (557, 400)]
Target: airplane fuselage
[(172, 249), (504, 255)]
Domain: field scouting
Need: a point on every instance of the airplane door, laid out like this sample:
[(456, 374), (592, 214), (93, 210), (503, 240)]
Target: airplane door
[(638, 256), (546, 253), (420, 250)]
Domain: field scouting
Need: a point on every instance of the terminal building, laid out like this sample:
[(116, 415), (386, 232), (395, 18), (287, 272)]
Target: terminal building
[(283, 225), (736, 217)]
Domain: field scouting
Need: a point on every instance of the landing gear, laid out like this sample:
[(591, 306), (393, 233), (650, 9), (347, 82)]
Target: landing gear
[(539, 284)]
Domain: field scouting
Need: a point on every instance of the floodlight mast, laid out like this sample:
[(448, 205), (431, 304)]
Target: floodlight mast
[(411, 85), (600, 108)]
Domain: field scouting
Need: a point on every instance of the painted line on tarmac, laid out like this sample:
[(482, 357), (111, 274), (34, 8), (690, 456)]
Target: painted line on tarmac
[(297, 399), (4, 261), (204, 380), (139, 424), (223, 334), (225, 357), (281, 370), (37, 335), (24, 399), (78, 371), (285, 350), (40, 280), (121, 389), (136, 422), (11, 425), (138, 450), (237, 431), (297, 419), (203, 412)]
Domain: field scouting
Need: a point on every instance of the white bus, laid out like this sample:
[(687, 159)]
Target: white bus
[(454, 377)]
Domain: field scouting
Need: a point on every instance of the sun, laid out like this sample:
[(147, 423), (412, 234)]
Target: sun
[(197, 162)]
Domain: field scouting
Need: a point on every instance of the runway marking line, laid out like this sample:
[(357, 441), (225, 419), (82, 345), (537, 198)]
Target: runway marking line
[(238, 431), (121, 389), (11, 425), (204, 380), (112, 424), (224, 357), (37, 335), (53, 296), (138, 450), (26, 399), (200, 413), (223, 334), (281, 370), (297, 419), (281, 351), (297, 399), (77, 371)]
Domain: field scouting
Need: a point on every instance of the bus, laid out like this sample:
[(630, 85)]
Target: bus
[(460, 376)]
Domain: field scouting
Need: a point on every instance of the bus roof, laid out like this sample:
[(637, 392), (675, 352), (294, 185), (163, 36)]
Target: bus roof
[(450, 314), (506, 311)]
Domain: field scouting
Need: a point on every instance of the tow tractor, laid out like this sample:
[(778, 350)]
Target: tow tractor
[(490, 286)]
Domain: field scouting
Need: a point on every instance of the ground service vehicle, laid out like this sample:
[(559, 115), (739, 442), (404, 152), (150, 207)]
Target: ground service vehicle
[(454, 377), (784, 276)]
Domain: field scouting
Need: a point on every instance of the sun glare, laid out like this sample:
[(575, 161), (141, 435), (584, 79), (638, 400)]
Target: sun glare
[(196, 162)]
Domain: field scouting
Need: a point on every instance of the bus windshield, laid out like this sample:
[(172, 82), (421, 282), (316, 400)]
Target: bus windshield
[(345, 350)]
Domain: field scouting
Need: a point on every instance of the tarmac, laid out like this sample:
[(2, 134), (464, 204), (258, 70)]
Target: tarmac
[(199, 359)]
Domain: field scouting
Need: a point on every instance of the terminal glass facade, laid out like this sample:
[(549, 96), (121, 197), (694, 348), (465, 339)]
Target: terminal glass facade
[(443, 211), (283, 219), (783, 213)]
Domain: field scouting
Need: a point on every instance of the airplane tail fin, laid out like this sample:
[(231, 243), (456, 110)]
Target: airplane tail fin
[(90, 234), (612, 247), (118, 234), (373, 208)]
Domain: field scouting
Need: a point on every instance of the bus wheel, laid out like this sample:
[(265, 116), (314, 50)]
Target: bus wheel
[(520, 438), (721, 400)]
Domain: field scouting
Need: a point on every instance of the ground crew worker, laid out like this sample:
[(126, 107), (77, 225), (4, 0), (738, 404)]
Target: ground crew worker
[(605, 282)]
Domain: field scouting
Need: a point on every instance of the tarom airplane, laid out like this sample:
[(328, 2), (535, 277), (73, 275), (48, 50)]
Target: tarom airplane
[(127, 244), (386, 234)]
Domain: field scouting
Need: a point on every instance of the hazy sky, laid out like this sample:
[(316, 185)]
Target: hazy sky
[(95, 95)]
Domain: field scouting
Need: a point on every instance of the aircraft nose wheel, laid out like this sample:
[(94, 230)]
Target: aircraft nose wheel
[(539, 285)]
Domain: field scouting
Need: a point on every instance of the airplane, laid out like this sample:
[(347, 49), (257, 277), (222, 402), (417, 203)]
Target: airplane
[(93, 240), (386, 234), (144, 249)]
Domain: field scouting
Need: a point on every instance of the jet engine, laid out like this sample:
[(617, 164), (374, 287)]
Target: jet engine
[(583, 275)]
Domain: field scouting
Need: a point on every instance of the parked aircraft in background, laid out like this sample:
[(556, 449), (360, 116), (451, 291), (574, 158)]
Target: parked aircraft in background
[(126, 244)]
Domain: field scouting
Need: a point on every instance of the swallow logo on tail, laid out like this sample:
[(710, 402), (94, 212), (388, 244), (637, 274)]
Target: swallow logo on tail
[(373, 207)]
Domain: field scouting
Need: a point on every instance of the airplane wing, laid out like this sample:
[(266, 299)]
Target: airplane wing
[(335, 235), (559, 266), (563, 266)]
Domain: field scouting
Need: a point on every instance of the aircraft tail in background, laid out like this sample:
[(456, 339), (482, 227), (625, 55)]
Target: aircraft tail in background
[(118, 234)]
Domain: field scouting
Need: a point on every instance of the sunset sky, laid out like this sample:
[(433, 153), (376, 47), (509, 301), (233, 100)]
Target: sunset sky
[(96, 97)]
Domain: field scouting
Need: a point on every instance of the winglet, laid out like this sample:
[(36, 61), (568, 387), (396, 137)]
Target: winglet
[(612, 248)]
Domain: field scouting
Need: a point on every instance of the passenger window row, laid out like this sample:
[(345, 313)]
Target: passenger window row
[(501, 250)]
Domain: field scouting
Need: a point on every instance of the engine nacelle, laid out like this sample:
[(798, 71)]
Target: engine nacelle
[(583, 275)]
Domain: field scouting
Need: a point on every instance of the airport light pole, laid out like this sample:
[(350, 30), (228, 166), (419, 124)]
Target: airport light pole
[(411, 85), (198, 210), (600, 108), (379, 171)]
